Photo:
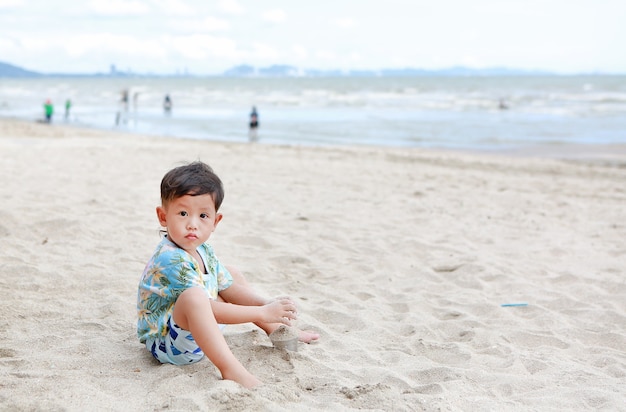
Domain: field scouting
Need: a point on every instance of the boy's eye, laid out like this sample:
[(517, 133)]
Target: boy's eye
[(204, 216), (182, 213)]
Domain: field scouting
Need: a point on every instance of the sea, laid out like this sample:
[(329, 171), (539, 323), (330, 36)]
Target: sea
[(499, 113)]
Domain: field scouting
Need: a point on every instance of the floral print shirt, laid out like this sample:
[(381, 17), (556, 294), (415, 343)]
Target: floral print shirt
[(169, 273)]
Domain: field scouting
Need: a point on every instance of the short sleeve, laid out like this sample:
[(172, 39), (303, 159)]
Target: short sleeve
[(177, 273), (221, 278), (224, 278)]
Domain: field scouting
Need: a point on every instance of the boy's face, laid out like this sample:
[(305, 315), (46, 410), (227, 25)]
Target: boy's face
[(189, 220)]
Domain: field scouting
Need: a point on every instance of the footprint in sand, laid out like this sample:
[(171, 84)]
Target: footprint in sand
[(338, 320), (435, 375), (364, 296), (7, 353), (252, 241), (432, 389), (290, 260), (445, 353), (530, 340)]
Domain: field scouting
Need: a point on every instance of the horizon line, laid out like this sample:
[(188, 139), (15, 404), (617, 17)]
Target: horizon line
[(285, 70)]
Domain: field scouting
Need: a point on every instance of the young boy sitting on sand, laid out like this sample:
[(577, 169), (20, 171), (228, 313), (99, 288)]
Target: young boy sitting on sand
[(186, 295)]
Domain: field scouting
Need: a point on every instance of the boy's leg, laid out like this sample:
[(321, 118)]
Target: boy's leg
[(193, 312), (306, 336)]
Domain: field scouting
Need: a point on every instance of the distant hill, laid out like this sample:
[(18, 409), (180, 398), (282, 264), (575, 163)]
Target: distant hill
[(9, 70), (291, 71), (240, 71), (281, 70), (245, 70)]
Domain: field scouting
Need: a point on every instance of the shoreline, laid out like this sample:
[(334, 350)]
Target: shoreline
[(403, 260), (461, 114), (600, 154)]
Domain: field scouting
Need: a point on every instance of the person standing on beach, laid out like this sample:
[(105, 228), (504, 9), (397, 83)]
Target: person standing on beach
[(122, 114), (124, 100), (48, 108), (167, 104), (135, 102), (254, 125), (68, 106), (186, 296)]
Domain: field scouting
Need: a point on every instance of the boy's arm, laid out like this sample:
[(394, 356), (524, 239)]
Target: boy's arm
[(281, 310), (242, 294)]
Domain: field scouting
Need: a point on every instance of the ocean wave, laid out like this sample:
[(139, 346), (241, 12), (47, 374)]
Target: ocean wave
[(388, 111)]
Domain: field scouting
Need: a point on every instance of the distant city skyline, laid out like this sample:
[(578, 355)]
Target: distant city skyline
[(204, 38), (10, 70)]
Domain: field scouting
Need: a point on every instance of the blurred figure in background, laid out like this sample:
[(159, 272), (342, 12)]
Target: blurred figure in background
[(254, 125), (48, 108), (68, 106), (167, 104), (122, 113), (135, 102), (124, 100)]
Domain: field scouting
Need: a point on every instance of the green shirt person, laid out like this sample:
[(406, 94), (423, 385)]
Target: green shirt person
[(68, 106), (49, 110)]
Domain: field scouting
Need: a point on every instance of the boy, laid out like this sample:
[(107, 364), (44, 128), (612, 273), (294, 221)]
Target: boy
[(186, 295)]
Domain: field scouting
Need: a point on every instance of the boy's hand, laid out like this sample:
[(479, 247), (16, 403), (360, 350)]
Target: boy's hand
[(280, 310)]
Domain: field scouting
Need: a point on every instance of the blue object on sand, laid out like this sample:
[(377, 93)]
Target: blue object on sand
[(506, 305)]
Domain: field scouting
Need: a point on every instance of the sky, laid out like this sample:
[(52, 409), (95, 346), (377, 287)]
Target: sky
[(205, 37)]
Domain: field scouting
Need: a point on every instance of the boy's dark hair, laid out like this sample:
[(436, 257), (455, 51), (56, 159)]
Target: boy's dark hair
[(193, 179)]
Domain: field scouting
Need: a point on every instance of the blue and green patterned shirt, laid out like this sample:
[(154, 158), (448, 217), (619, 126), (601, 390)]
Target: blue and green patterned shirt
[(169, 273)]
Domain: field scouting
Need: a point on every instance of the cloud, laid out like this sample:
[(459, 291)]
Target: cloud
[(345, 23), (7, 45), (263, 51), (354, 57), (325, 55), (119, 7), (67, 52), (208, 24), (175, 7), (300, 51), (203, 46), (274, 16), (77, 46), (214, 24), (231, 6), (7, 4), (199, 47), (471, 60)]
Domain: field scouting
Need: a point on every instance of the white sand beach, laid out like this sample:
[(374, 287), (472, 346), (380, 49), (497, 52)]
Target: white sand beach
[(400, 258)]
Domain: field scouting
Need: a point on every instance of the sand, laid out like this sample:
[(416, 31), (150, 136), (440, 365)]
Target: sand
[(285, 337), (400, 258)]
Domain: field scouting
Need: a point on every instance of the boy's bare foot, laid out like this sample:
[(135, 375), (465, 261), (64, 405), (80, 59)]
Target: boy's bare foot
[(244, 378), (307, 336)]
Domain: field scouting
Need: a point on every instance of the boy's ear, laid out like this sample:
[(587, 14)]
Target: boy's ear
[(160, 211), (218, 218)]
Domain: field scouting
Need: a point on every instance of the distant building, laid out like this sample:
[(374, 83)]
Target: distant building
[(241, 70)]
